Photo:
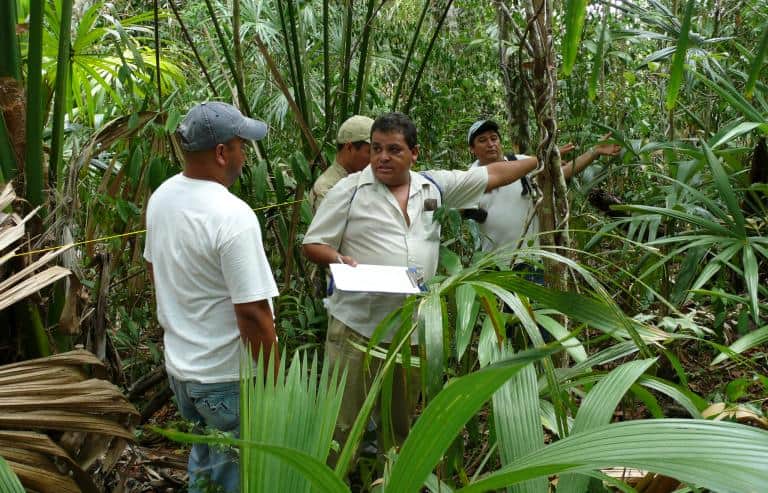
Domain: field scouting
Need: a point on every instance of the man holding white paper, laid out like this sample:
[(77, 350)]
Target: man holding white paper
[(383, 215)]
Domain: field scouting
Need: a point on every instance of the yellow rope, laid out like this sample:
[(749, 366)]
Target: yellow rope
[(139, 231)]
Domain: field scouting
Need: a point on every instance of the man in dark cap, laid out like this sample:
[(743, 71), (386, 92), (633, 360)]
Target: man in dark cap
[(502, 212), (212, 281)]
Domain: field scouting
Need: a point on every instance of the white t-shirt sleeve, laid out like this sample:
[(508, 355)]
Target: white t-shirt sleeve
[(147, 234), (245, 267)]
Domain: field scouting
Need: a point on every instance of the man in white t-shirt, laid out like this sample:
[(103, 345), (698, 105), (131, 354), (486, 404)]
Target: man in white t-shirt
[(213, 284), (503, 211)]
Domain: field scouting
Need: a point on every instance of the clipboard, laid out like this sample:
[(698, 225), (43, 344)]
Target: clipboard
[(370, 278)]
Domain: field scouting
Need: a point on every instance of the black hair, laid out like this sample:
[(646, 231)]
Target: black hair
[(399, 123), (487, 125)]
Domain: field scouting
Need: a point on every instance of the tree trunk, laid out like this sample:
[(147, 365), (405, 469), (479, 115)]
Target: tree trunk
[(516, 94), (553, 211)]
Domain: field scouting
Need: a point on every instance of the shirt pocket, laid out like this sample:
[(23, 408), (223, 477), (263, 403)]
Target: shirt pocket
[(430, 227)]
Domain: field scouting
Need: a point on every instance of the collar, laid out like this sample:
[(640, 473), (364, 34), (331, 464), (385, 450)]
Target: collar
[(417, 180)]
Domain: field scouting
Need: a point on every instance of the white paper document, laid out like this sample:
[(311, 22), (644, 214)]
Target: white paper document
[(370, 278)]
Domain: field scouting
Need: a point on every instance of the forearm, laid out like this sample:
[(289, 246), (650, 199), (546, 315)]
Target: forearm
[(324, 254), (505, 172), (257, 330), (576, 166)]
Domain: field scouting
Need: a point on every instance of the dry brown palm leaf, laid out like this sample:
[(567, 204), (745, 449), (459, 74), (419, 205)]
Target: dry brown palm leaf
[(24, 283), (86, 417), (46, 376), (75, 358), (63, 421)]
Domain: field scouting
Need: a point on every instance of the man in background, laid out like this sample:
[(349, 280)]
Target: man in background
[(502, 212), (353, 152), (213, 284)]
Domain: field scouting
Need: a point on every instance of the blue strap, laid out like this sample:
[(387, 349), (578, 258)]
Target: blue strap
[(440, 190)]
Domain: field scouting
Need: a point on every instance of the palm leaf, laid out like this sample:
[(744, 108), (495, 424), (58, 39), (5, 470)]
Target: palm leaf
[(724, 188), (431, 330), (9, 482), (296, 409), (598, 407), (751, 276), (710, 226), (516, 416), (721, 456), (53, 394), (757, 63), (678, 62), (317, 474), (466, 316), (575, 13), (446, 415), (731, 95), (753, 339)]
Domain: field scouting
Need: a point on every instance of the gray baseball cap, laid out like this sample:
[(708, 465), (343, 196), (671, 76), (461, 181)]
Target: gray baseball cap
[(212, 123), (479, 127)]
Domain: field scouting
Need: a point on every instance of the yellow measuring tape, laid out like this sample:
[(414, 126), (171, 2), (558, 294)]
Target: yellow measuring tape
[(137, 232)]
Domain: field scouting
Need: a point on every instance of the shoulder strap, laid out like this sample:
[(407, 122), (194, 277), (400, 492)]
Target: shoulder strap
[(439, 190), (525, 182), (331, 284)]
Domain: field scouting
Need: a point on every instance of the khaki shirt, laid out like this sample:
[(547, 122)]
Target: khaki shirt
[(372, 230), (325, 182)]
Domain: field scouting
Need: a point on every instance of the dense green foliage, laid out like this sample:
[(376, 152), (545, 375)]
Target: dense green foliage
[(663, 288)]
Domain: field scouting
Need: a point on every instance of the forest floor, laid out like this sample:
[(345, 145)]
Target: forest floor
[(156, 464)]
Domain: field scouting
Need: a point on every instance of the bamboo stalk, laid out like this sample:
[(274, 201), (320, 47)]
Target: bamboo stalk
[(34, 150), (326, 71), (236, 43), (60, 103), (345, 60), (192, 45), (299, 81), (9, 53), (291, 102), (246, 108), (157, 58), (357, 103), (286, 41), (409, 55), (7, 157), (426, 57)]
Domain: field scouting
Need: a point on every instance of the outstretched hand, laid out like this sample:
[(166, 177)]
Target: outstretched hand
[(565, 149), (604, 148)]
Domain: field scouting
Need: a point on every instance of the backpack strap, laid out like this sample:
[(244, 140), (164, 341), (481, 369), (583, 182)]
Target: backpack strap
[(525, 182), (432, 180)]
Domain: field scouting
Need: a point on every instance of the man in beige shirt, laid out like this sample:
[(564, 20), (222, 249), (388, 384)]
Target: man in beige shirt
[(384, 215), (353, 152)]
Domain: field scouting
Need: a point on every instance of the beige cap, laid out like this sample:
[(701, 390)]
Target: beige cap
[(356, 129)]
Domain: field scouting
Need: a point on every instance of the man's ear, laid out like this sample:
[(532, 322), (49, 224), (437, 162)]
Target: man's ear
[(415, 152), (218, 153)]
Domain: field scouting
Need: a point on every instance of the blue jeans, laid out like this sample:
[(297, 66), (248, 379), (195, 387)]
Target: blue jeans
[(211, 405)]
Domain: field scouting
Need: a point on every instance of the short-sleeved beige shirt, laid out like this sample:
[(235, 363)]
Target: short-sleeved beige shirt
[(372, 230), (325, 182)]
